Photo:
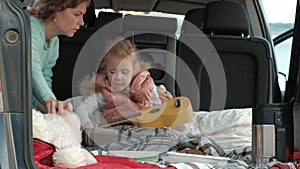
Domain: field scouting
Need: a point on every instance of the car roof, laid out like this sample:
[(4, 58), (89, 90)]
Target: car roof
[(180, 7), (166, 6)]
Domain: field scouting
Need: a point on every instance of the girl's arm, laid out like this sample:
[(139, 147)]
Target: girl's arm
[(164, 96), (90, 104)]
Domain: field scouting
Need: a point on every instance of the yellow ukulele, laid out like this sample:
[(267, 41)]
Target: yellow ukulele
[(174, 112)]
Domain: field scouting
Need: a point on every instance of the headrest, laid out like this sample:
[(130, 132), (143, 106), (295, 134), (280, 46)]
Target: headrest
[(89, 17), (149, 24), (110, 22), (106, 17), (226, 18), (195, 17)]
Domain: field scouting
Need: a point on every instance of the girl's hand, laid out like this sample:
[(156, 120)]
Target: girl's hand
[(164, 96), (54, 106), (88, 125)]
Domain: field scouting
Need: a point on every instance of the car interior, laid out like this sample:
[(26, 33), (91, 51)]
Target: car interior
[(219, 54), (222, 59), (254, 76)]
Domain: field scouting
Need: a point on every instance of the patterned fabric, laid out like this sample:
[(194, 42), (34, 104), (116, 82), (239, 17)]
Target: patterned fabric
[(127, 137), (240, 158), (286, 166), (43, 152), (230, 128)]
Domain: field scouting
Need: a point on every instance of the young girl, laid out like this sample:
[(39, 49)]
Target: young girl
[(123, 86)]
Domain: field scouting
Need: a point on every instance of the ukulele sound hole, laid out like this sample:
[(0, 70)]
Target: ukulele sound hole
[(177, 103), (155, 110)]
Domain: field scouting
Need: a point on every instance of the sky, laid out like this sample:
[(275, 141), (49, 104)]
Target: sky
[(280, 10)]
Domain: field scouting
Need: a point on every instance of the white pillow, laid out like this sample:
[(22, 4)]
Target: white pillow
[(231, 128)]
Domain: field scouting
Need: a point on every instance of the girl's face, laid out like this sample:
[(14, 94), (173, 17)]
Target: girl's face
[(119, 72), (68, 21)]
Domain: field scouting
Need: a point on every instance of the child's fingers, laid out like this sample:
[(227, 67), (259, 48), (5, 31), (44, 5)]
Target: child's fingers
[(168, 94), (164, 96)]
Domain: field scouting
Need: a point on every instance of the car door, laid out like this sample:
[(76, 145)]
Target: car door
[(293, 87), (287, 54), (15, 86)]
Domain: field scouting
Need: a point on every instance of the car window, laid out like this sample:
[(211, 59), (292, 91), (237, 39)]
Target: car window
[(280, 16)]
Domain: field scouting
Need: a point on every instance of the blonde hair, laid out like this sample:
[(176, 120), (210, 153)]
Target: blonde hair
[(124, 49)]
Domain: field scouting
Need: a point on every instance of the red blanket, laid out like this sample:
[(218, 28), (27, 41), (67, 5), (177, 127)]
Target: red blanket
[(289, 165), (43, 158)]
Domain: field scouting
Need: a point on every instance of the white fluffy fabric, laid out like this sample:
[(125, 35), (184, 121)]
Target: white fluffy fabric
[(63, 132), (231, 128)]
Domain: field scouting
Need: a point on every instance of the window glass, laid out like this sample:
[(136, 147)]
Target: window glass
[(283, 52), (280, 15)]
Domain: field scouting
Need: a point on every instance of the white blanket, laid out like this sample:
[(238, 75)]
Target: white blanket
[(231, 128)]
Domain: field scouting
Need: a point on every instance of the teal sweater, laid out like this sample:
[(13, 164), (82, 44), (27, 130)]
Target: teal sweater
[(44, 56)]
